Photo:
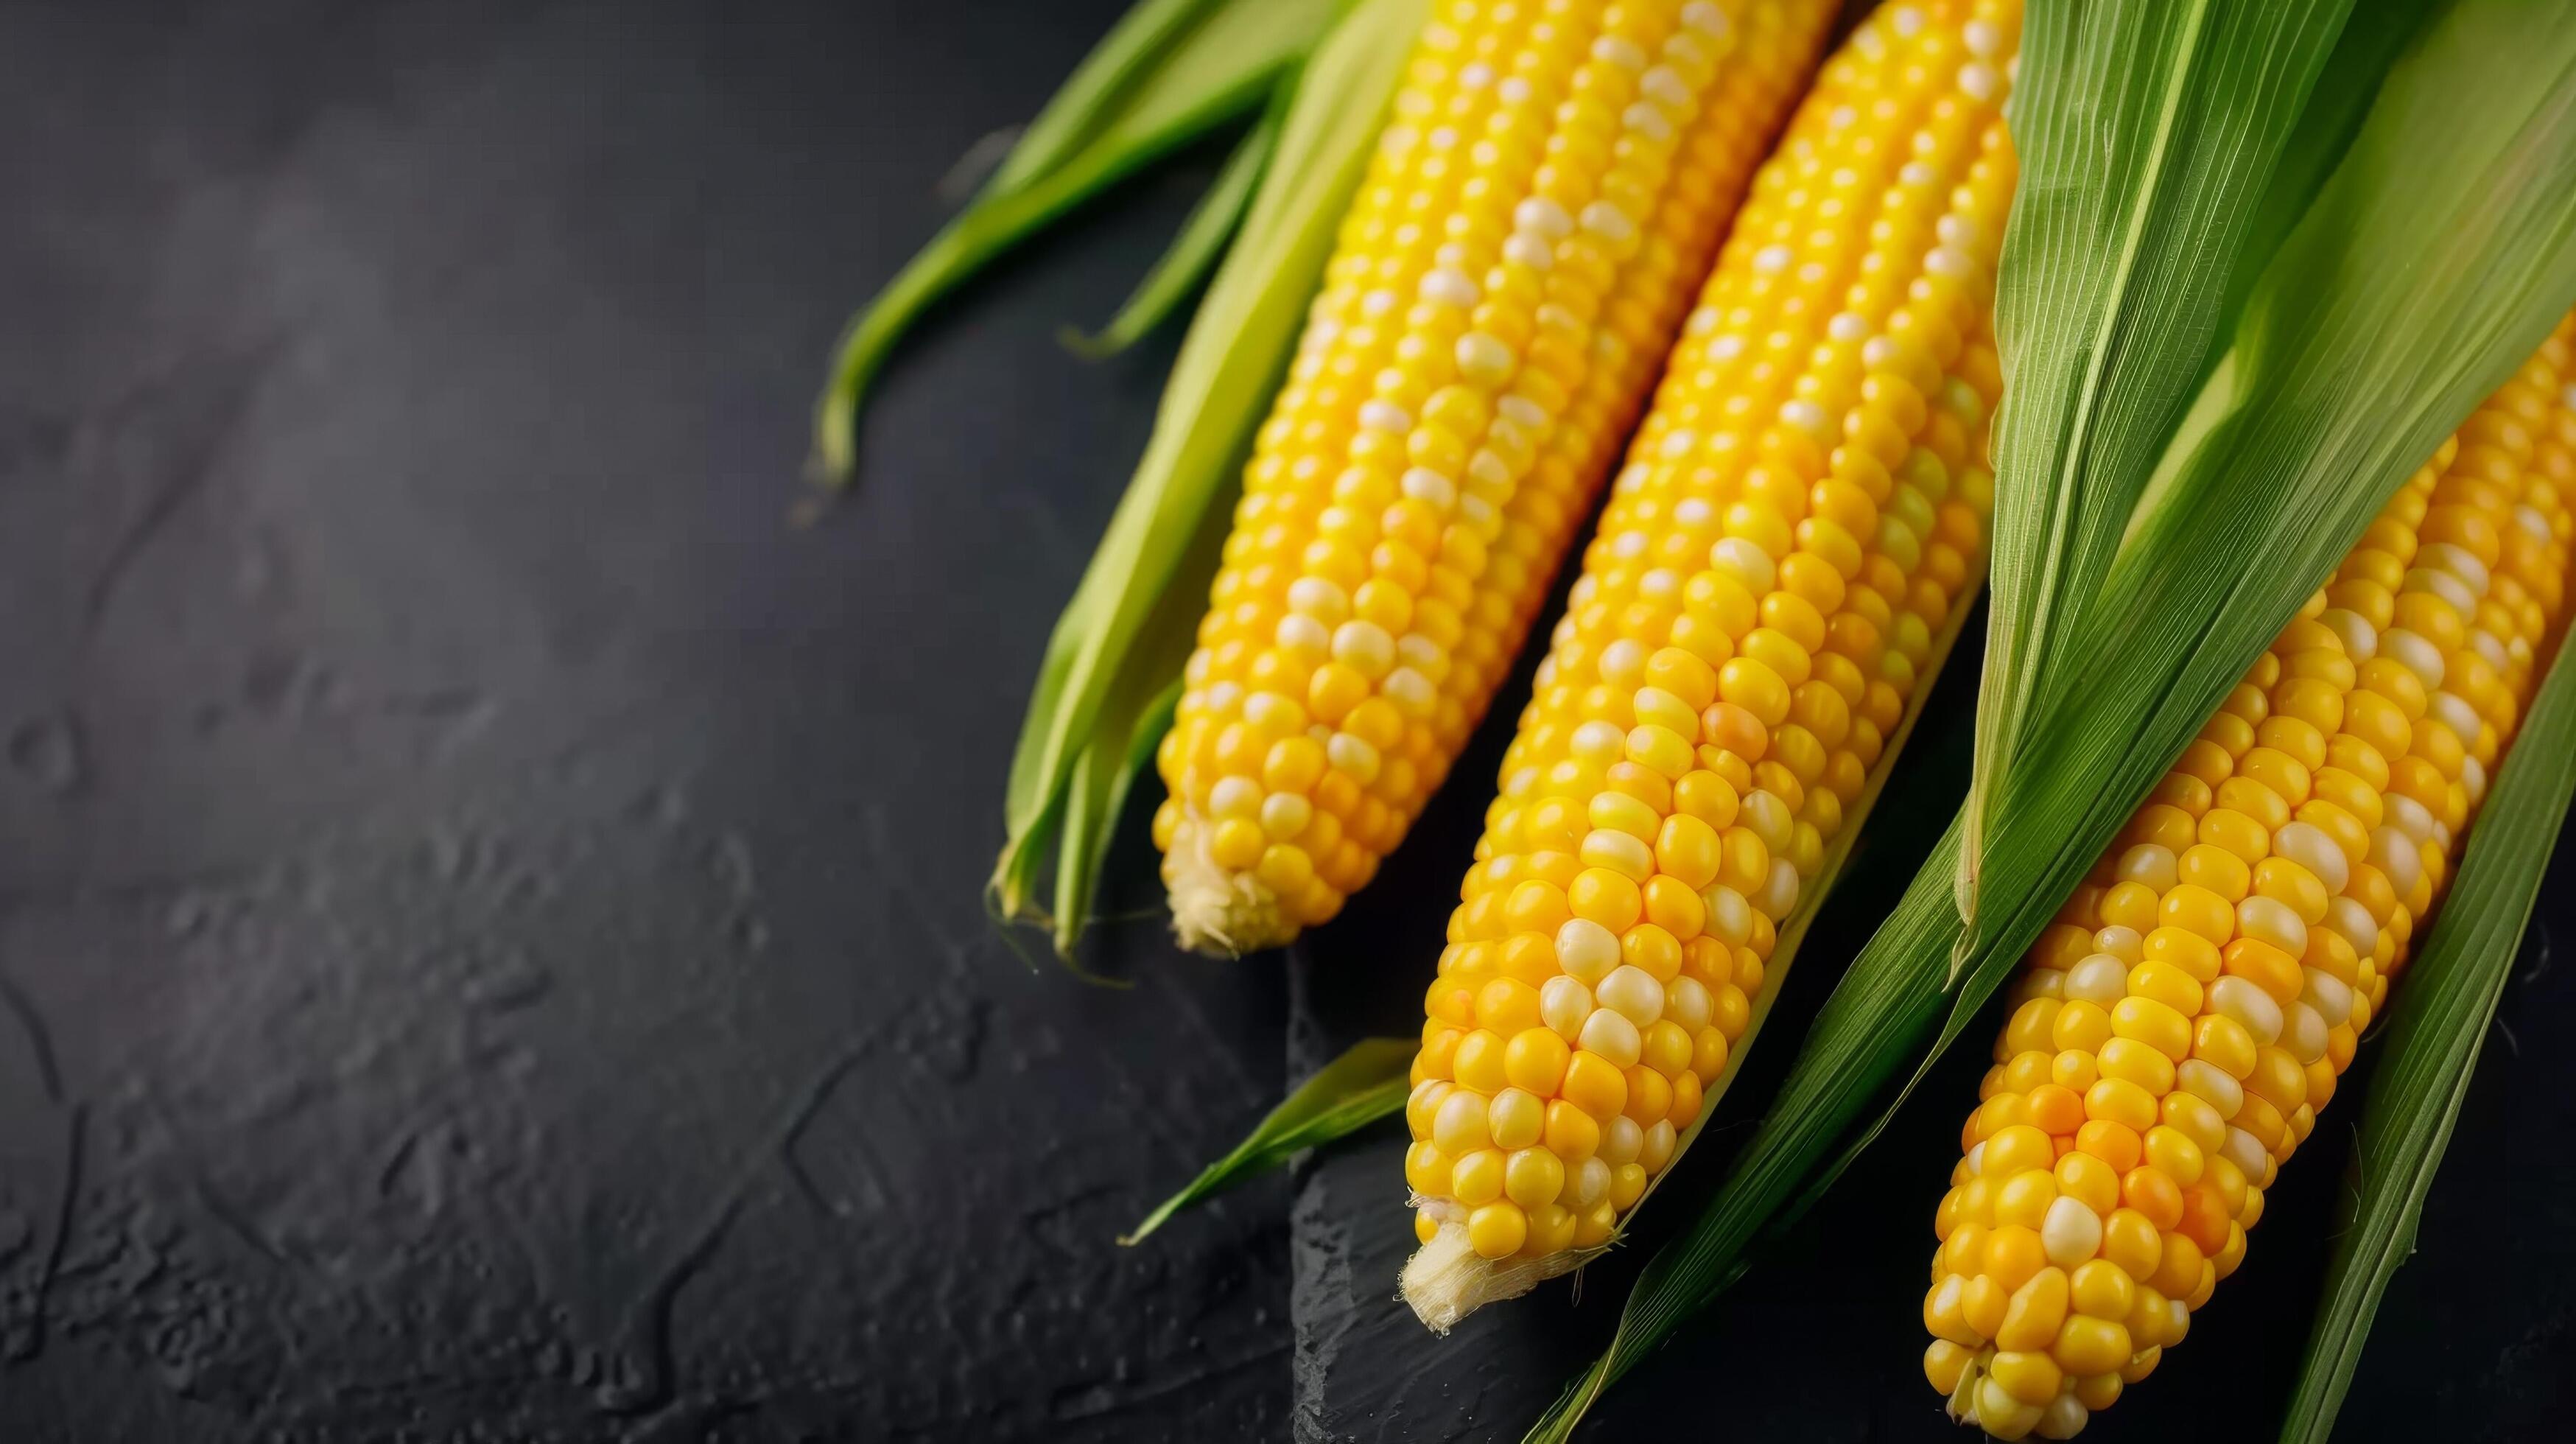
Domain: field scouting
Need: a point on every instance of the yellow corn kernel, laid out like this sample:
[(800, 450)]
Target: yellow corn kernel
[(1497, 1230), (2037, 1308), (1943, 1363), (2032, 1377)]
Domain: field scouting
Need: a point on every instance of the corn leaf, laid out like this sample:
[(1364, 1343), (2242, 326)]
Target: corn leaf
[(1230, 363), (1089, 98), (2434, 259), (2147, 131), (1102, 777), (2371, 40), (1134, 714), (1368, 1082), (2436, 1028), (1193, 253), (2373, 34), (1170, 75)]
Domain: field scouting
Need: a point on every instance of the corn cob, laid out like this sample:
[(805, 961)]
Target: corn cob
[(2191, 1008), (1551, 184), (1803, 513)]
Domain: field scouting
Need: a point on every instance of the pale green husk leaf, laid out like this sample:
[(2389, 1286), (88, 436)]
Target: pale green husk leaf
[(1193, 253), (1368, 1082), (2147, 135), (1171, 71)]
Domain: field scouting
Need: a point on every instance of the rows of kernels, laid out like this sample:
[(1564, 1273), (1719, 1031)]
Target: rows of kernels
[(1802, 512), (1553, 176), (1323, 817), (2193, 1005)]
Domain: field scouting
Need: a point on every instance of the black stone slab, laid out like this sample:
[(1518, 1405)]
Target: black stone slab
[(490, 945)]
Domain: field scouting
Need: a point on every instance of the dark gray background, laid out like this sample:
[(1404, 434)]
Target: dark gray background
[(489, 936)]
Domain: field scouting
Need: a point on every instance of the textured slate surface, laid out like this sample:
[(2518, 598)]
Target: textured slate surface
[(489, 946), (489, 934)]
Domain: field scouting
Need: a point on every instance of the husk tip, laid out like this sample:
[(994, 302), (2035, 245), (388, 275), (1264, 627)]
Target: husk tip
[(1089, 345), (828, 462)]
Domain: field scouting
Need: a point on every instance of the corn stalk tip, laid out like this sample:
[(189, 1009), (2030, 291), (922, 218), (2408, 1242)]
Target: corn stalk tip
[(1086, 345)]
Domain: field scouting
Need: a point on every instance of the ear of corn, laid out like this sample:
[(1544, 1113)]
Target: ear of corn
[(2194, 1004), (1803, 512), (1551, 185), (1117, 650)]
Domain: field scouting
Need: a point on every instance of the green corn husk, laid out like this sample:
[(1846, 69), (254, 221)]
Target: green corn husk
[(2436, 253), (1194, 252), (1368, 1082), (1121, 642), (1170, 72), (2147, 136), (2436, 1026)]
